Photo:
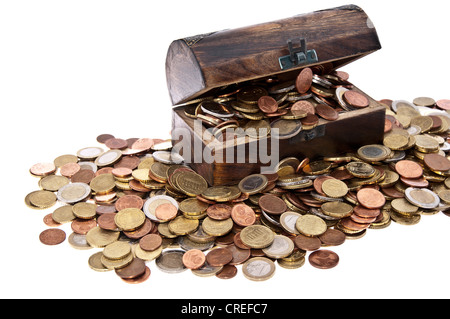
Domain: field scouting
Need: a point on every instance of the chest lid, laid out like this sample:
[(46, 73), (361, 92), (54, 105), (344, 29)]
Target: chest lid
[(197, 65)]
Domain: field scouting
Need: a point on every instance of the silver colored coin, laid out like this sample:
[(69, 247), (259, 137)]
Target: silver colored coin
[(207, 270), (90, 153), (171, 261), (78, 241), (167, 157), (414, 130), (187, 244), (422, 197), (288, 220), (281, 247), (321, 81), (283, 129), (340, 98), (108, 158), (216, 109), (88, 165), (258, 269), (73, 193)]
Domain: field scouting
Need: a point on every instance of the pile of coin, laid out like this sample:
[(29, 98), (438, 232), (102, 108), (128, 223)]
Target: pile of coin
[(290, 106), (137, 202)]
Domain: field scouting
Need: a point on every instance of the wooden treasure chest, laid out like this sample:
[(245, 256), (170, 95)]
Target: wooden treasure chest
[(245, 98)]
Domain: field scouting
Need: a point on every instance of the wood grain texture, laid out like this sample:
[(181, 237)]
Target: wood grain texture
[(339, 35)]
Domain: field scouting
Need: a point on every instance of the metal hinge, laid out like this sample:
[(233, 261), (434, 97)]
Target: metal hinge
[(298, 56)]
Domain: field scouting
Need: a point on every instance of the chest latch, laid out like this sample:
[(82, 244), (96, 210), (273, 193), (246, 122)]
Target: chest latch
[(298, 56)]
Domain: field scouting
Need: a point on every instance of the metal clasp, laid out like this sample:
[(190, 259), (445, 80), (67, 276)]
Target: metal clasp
[(298, 56)]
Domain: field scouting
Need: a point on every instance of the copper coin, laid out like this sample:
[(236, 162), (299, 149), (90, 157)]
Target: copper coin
[(104, 170), (272, 204), (48, 220), (443, 104), (121, 172), (415, 182), (387, 126), (225, 240), (227, 272), (370, 198), (238, 241), (327, 112), (267, 104), (82, 226), (304, 106), (356, 99), (437, 122), (239, 255), (219, 211), (166, 211), (129, 201), (310, 120), (342, 75), (135, 269), (307, 243), (69, 169), (392, 192), (103, 209), (332, 237), (365, 212), (131, 162), (436, 162), (138, 187), (304, 80), (194, 259), (104, 137), (150, 242), (349, 223), (139, 279), (52, 236), (116, 143), (243, 215), (83, 176), (219, 257), (143, 144), (106, 221), (323, 259), (362, 220), (43, 169), (408, 169), (141, 231)]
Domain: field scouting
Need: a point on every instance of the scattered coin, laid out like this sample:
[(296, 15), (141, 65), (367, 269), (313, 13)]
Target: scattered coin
[(323, 259), (52, 236), (258, 269)]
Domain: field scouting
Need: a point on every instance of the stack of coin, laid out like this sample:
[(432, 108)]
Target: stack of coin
[(263, 105), (141, 203)]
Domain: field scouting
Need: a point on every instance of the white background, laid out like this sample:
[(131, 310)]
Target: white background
[(71, 70)]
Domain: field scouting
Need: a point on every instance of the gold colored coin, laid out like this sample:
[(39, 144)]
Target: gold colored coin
[(147, 255), (191, 183), (63, 214), (424, 122), (146, 163), (445, 196), (117, 250), (164, 230), (337, 209), (129, 219), (98, 237), (103, 183), (426, 144), (65, 159), (159, 170), (253, 184), (402, 219), (42, 199), (334, 188), (311, 225), (217, 228), (257, 129), (183, 226), (402, 206), (193, 206), (317, 168), (395, 141), (257, 236), (116, 263), (95, 262), (141, 174), (53, 183), (216, 192), (390, 179), (84, 210)]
